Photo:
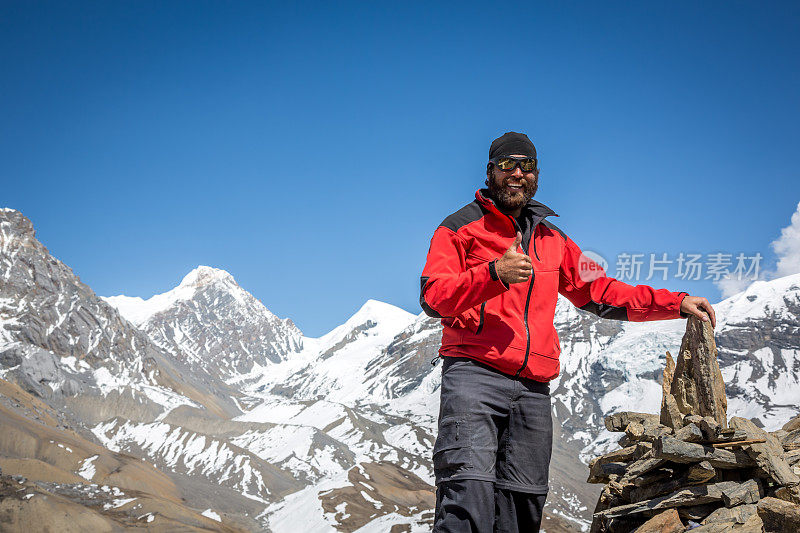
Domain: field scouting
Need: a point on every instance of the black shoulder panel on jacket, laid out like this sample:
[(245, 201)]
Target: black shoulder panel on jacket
[(606, 311), (554, 228), (469, 213)]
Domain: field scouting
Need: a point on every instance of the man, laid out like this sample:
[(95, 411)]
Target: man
[(493, 274)]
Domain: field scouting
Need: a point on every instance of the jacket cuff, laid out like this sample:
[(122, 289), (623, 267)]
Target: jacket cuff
[(493, 273), (681, 296)]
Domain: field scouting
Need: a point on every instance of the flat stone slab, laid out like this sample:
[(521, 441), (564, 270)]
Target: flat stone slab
[(700, 472), (779, 515), (620, 421), (672, 449), (664, 522), (738, 514), (748, 492), (690, 496), (752, 525), (690, 433)]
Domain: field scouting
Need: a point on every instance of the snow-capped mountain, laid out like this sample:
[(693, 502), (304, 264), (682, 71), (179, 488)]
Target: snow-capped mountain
[(334, 365), (209, 321), (63, 342), (255, 424), (69, 359)]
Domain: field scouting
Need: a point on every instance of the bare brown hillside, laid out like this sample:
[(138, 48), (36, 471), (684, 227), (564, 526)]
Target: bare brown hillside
[(63, 482)]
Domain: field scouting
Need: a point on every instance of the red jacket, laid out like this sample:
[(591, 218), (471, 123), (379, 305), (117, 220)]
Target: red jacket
[(511, 327)]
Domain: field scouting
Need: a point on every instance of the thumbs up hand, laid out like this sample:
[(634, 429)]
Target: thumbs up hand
[(514, 267)]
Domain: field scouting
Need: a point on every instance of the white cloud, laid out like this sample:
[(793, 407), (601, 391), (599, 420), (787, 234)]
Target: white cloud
[(787, 247), (787, 250), (730, 286)]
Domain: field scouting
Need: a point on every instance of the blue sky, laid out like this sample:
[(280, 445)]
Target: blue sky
[(312, 149)]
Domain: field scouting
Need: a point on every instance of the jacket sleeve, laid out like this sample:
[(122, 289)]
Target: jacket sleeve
[(610, 298), (447, 287)]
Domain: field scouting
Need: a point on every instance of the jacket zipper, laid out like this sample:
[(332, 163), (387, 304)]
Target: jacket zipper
[(527, 331), (527, 300), (480, 322)]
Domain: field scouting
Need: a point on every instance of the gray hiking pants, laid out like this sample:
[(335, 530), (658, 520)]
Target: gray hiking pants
[(492, 454)]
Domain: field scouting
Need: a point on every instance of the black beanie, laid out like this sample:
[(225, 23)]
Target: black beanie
[(512, 143)]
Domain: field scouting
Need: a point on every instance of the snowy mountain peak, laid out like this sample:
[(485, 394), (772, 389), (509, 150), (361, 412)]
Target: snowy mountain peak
[(335, 364), (369, 315), (379, 311), (776, 297), (205, 275), (210, 321), (138, 310)]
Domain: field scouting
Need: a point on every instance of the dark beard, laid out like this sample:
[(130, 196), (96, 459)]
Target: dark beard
[(507, 201)]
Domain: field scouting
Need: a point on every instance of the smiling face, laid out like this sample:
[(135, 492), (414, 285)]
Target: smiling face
[(511, 189)]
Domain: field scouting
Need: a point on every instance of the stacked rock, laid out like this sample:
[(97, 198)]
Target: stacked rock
[(690, 468)]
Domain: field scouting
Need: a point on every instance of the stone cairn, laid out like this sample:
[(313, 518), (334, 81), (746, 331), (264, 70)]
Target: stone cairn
[(690, 468)]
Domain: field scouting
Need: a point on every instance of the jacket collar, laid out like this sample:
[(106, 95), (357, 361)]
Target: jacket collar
[(535, 209)]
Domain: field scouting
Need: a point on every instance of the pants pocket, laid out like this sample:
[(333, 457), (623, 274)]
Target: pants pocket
[(526, 460), (452, 452)]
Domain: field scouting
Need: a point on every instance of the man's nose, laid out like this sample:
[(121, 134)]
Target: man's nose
[(517, 172)]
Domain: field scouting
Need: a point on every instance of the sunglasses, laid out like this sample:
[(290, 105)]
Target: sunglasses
[(527, 164)]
